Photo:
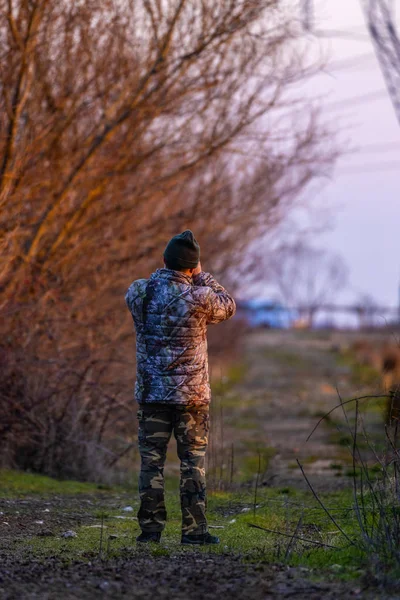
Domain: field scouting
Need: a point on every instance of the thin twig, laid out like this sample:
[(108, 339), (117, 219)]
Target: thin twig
[(101, 535), (395, 450), (341, 405), (232, 464), (363, 469), (290, 535), (294, 536), (256, 486), (323, 507)]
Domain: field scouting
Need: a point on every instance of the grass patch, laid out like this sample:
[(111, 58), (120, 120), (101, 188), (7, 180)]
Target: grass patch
[(21, 483), (229, 511), (336, 466), (285, 358), (242, 423), (231, 515)]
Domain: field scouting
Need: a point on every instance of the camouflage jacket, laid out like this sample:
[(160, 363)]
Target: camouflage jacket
[(171, 312)]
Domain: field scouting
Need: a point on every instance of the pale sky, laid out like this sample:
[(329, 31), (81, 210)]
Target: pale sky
[(363, 193)]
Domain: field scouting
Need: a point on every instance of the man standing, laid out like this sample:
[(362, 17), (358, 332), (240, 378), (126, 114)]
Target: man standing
[(171, 311)]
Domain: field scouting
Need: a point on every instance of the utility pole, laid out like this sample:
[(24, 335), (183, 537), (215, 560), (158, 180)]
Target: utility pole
[(381, 23), (379, 15), (398, 307), (308, 14)]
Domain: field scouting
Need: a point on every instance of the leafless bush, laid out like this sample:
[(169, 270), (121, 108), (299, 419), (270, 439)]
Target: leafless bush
[(58, 417), (377, 495)]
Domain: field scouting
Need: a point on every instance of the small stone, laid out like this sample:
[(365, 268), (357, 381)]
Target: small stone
[(245, 509), (69, 534), (104, 585), (39, 522), (232, 521), (46, 510), (128, 509), (5, 523), (113, 536)]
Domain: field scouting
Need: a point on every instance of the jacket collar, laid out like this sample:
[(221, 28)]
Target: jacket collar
[(172, 275)]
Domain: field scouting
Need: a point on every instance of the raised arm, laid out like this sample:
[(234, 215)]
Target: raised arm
[(134, 298), (219, 305)]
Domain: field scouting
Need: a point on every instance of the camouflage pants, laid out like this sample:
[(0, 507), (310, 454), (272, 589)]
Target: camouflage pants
[(190, 425)]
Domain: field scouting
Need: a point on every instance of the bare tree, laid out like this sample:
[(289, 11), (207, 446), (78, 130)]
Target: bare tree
[(368, 311), (382, 26), (306, 277), (123, 122)]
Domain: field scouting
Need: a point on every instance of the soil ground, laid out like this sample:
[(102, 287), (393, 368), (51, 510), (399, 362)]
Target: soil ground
[(290, 380), (139, 572)]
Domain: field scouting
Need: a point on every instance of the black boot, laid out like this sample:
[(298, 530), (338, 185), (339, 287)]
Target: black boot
[(197, 539), (150, 536)]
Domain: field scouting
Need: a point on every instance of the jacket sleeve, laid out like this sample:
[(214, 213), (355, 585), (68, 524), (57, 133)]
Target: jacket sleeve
[(134, 299), (219, 305)]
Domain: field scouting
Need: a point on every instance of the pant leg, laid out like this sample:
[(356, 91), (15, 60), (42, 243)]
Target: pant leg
[(191, 432), (155, 428)]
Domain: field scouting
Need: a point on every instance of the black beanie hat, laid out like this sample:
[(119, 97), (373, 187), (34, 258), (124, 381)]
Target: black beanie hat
[(182, 251)]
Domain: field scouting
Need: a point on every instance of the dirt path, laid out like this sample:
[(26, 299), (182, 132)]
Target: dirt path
[(181, 577), (292, 379), (135, 572)]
